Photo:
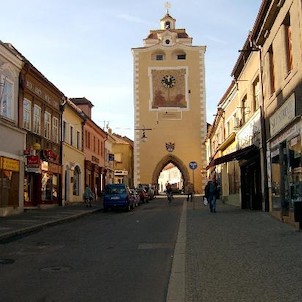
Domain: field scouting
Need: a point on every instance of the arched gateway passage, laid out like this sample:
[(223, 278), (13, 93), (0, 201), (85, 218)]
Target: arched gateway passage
[(176, 162)]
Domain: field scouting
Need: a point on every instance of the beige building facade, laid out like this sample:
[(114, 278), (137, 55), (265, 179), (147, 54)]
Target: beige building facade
[(122, 149), (73, 157), (169, 105)]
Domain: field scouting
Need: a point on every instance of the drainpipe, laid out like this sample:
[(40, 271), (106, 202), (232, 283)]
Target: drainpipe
[(263, 150), (61, 200)]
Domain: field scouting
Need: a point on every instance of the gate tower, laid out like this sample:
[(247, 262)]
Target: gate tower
[(169, 105)]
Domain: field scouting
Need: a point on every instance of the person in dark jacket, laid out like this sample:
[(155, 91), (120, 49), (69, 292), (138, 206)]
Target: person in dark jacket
[(211, 192)]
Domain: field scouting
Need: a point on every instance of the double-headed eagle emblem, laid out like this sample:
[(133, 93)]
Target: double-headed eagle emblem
[(170, 146)]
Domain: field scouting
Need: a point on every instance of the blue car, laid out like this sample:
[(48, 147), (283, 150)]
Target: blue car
[(117, 196)]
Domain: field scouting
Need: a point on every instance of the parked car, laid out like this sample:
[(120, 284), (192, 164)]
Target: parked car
[(117, 196), (143, 194), (151, 193), (149, 189)]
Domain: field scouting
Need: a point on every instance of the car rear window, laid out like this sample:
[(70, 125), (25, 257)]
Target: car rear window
[(115, 190)]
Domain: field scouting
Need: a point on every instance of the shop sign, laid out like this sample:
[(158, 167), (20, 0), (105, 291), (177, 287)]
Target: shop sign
[(33, 164), (250, 133), (283, 116), (10, 164), (49, 154), (120, 172), (282, 137), (53, 168), (26, 152)]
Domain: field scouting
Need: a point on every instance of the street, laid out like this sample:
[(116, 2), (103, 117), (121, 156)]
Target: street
[(114, 256), (159, 252)]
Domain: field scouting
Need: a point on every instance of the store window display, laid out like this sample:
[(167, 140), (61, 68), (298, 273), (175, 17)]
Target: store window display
[(286, 169), (295, 169)]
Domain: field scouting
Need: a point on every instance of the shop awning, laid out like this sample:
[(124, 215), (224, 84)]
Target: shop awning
[(244, 153)]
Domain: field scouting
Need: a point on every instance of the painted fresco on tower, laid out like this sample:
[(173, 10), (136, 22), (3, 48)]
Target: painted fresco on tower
[(168, 88)]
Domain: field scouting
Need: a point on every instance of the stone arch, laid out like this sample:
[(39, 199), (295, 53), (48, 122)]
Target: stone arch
[(175, 161)]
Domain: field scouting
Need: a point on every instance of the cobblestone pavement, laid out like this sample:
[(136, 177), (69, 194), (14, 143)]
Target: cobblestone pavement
[(239, 255)]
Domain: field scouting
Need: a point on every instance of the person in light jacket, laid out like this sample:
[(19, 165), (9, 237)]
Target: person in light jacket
[(88, 196)]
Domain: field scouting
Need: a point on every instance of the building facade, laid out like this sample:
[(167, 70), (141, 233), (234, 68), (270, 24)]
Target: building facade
[(73, 157), (169, 104), (109, 158), (11, 153), (268, 93), (281, 53), (40, 115), (123, 160), (94, 149)]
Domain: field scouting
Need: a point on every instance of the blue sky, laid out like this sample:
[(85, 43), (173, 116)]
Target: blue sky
[(84, 46)]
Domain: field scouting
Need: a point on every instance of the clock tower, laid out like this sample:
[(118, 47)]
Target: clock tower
[(169, 105)]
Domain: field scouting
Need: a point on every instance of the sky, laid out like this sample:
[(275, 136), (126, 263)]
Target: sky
[(84, 46)]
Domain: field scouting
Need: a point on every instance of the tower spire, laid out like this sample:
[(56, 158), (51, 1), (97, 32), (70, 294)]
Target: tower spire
[(167, 6)]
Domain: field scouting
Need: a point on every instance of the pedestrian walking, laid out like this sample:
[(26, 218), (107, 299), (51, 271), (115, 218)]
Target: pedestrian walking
[(211, 192), (169, 192), (88, 196), (189, 191)]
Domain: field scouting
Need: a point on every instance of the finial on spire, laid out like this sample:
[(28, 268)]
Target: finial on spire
[(167, 6)]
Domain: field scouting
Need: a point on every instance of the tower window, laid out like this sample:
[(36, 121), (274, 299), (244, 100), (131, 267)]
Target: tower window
[(159, 56), (168, 25), (181, 57)]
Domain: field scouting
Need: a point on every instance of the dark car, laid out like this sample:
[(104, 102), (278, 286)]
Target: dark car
[(117, 196), (143, 195)]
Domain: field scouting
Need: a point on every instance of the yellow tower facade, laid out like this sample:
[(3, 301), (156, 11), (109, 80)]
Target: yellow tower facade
[(169, 105)]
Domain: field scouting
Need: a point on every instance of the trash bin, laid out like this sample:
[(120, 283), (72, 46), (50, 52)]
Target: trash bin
[(298, 211)]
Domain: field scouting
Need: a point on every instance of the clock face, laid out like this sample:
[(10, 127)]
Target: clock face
[(168, 81)]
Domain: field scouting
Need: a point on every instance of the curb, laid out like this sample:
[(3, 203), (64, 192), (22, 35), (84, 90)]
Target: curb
[(37, 227), (176, 287)]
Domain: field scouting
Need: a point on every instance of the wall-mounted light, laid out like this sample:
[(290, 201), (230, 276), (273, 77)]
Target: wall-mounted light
[(143, 137)]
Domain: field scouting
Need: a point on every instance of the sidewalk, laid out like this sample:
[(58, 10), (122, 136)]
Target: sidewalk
[(240, 255), (37, 219)]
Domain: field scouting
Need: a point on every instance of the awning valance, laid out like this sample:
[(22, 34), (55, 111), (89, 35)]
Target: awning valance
[(244, 153)]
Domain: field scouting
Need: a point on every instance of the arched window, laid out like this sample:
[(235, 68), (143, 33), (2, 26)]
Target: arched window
[(76, 181)]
